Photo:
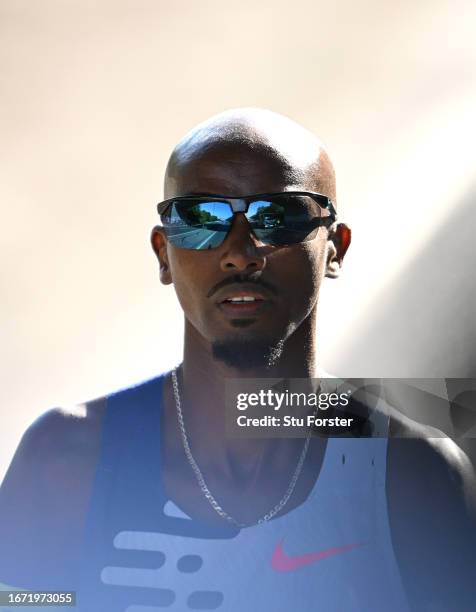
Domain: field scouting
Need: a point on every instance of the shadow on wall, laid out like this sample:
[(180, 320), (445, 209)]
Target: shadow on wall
[(424, 324)]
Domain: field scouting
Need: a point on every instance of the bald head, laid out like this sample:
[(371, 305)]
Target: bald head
[(249, 147)]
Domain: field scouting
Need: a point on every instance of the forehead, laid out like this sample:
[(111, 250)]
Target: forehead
[(235, 170)]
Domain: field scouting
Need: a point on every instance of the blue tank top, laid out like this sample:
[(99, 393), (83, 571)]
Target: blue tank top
[(141, 553)]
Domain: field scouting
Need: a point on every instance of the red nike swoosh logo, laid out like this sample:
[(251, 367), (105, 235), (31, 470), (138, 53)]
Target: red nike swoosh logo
[(281, 562)]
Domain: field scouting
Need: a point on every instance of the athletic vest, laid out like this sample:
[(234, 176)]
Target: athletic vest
[(141, 553)]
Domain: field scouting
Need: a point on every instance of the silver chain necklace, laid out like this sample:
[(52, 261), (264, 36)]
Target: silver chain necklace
[(201, 480)]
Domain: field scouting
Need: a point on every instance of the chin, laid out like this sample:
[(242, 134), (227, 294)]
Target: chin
[(246, 351)]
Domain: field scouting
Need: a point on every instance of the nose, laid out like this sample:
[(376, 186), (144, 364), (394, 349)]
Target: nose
[(241, 250)]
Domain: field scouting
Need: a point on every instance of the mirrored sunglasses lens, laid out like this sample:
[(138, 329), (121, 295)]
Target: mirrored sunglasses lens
[(199, 225), (285, 219)]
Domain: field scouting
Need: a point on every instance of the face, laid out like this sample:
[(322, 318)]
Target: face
[(284, 281)]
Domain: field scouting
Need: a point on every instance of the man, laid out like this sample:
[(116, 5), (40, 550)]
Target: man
[(140, 501)]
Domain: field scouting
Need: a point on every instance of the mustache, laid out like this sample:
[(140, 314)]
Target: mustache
[(245, 279)]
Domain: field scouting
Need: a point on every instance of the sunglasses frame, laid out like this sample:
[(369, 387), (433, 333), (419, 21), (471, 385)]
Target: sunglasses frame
[(240, 204)]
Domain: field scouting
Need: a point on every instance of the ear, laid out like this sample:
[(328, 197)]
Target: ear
[(339, 241), (158, 240)]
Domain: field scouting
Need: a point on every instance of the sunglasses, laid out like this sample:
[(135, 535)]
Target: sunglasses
[(203, 222)]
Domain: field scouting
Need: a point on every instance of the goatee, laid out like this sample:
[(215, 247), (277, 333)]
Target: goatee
[(247, 354)]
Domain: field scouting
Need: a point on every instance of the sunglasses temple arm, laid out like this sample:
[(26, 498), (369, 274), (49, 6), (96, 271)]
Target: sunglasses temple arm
[(332, 210)]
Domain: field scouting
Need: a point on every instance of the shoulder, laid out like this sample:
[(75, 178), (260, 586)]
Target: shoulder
[(66, 441), (65, 432), (422, 454), (67, 423), (431, 501), (46, 491), (55, 459)]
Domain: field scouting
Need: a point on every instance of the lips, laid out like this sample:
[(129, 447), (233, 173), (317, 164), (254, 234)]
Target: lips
[(242, 300), (245, 298), (242, 303)]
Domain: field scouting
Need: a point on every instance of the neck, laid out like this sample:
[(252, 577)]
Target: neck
[(261, 468), (203, 384)]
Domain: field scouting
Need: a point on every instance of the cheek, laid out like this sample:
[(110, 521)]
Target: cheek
[(303, 268), (183, 272), (190, 276), (314, 260)]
